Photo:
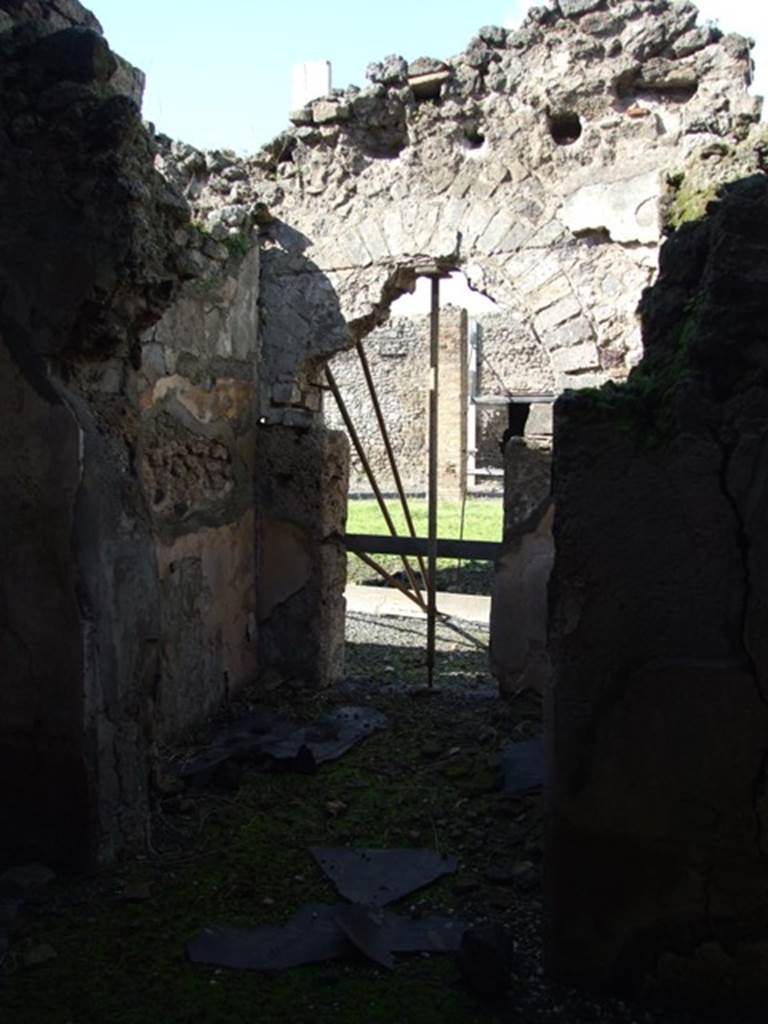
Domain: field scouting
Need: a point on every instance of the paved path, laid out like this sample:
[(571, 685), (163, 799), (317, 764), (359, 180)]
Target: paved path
[(389, 601)]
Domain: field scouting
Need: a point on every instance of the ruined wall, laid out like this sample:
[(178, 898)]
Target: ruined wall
[(658, 720), (398, 355), (510, 359), (135, 370), (87, 261), (196, 448), (301, 483), (519, 658), (534, 160)]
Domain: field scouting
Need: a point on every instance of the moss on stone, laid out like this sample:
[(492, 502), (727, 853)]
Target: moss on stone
[(689, 203), (644, 406)]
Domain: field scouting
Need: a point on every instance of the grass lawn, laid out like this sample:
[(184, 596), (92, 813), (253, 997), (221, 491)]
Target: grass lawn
[(483, 520)]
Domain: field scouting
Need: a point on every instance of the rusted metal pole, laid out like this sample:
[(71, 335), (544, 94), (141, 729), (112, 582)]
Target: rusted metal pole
[(358, 446), (434, 367), (388, 446)]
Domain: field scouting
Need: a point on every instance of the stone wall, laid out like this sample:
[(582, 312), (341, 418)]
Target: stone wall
[(130, 357), (301, 482), (181, 548), (510, 360), (398, 355), (658, 720), (535, 161), (196, 452), (87, 261)]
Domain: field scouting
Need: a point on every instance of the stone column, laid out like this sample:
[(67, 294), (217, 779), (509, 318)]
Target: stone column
[(301, 485), (519, 657), (452, 405)]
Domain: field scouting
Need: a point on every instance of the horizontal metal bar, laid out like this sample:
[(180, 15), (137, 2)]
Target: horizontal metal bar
[(371, 543), (519, 398)]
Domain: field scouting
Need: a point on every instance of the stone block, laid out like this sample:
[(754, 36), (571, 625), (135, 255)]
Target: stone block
[(575, 358), (516, 238), (540, 419), (301, 117), (392, 228), (580, 381), (574, 332), (557, 313), (532, 269), (328, 112), (477, 217), (373, 238), (487, 178), (575, 8), (627, 210), (500, 231), (555, 290), (286, 393)]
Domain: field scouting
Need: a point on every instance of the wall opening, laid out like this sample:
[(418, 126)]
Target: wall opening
[(473, 136), (565, 127)]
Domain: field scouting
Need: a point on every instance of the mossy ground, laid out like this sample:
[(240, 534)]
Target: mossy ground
[(241, 857)]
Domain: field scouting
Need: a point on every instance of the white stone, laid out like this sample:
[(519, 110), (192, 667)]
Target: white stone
[(565, 309), (576, 358), (628, 210)]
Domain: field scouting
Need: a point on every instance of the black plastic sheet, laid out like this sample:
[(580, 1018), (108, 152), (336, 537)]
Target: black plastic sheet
[(320, 932), (523, 767), (271, 742), (377, 877)]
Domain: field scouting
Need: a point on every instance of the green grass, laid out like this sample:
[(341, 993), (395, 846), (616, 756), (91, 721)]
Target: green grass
[(483, 520)]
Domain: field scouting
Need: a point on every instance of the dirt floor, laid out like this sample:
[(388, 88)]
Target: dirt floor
[(111, 948)]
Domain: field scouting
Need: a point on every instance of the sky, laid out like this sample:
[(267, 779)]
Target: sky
[(219, 74)]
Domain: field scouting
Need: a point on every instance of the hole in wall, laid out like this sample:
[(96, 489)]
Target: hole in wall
[(565, 127), (473, 136), (630, 86), (428, 91), (386, 145)]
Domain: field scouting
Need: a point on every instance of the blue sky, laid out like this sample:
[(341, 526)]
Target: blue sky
[(219, 75)]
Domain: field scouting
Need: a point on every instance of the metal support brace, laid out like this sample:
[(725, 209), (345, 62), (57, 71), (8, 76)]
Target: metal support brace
[(388, 446), (358, 446), (434, 369)]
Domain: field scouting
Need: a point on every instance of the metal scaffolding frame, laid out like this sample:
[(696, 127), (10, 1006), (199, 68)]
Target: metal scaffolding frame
[(364, 545)]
